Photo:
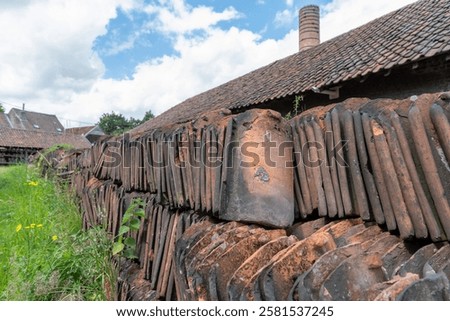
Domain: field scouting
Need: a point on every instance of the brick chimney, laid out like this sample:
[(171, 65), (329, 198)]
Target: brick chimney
[(309, 27)]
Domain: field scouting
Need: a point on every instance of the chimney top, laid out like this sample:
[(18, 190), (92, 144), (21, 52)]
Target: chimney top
[(309, 27)]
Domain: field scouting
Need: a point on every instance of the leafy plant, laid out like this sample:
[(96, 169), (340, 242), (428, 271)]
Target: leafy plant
[(296, 109), (131, 222), (148, 115), (44, 253), (45, 156)]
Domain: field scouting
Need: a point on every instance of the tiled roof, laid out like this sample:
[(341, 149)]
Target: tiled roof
[(86, 131), (4, 120), (419, 30), (79, 130), (10, 137), (24, 119)]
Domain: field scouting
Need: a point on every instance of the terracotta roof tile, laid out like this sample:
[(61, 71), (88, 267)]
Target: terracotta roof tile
[(10, 137), (408, 34)]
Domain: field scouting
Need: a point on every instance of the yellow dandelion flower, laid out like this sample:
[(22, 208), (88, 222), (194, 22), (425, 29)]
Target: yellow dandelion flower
[(54, 237), (18, 227), (28, 227), (32, 183), (32, 225), (39, 225)]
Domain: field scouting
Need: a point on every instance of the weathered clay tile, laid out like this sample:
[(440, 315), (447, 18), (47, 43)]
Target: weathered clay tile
[(435, 287)]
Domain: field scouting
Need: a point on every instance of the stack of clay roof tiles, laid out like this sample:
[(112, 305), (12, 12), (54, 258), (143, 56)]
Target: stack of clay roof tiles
[(397, 154)]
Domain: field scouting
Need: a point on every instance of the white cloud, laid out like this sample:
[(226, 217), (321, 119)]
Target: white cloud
[(76, 89), (200, 65), (179, 17), (116, 46), (46, 47), (4, 5), (289, 3), (284, 18), (46, 57), (340, 16)]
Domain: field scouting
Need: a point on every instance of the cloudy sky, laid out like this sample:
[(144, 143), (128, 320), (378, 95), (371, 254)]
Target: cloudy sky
[(79, 59)]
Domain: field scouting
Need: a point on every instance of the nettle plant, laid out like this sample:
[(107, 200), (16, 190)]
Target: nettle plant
[(125, 245)]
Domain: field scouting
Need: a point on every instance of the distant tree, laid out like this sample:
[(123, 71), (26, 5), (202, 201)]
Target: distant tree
[(133, 122), (2, 109), (148, 115), (116, 124), (113, 124)]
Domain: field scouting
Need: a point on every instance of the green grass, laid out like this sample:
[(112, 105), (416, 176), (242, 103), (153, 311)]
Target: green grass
[(44, 254)]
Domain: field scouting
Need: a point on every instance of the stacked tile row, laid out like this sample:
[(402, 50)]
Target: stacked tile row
[(215, 166), (380, 161), (383, 160), (104, 204), (318, 260)]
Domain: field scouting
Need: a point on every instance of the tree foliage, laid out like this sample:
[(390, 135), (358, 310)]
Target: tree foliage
[(2, 109), (116, 124), (148, 115)]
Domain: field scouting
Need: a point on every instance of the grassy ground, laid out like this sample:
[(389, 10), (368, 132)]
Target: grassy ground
[(44, 255)]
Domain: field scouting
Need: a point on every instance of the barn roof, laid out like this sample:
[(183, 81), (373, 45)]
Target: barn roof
[(21, 138), (412, 33), (79, 130), (4, 121), (24, 119)]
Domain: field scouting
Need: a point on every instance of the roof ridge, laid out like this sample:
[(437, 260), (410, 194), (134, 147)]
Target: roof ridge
[(31, 111), (37, 131)]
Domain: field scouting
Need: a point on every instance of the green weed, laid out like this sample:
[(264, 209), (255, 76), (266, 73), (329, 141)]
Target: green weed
[(131, 222), (44, 254), (297, 107)]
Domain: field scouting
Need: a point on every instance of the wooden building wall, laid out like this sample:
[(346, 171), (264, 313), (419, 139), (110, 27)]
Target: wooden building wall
[(15, 155)]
